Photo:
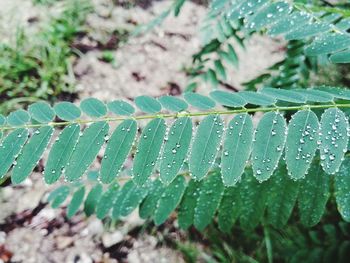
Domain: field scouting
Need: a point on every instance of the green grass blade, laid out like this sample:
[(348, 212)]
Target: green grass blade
[(169, 200), (75, 203), (10, 147), (313, 195), (237, 148), (283, 193), (118, 149), (41, 112), (92, 199), (31, 154), (205, 146), (301, 143), (188, 204), (175, 149), (60, 153), (270, 137), (209, 199), (148, 150), (86, 150), (334, 139)]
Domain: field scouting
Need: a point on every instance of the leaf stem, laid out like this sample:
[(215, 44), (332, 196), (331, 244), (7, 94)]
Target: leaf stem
[(181, 114)]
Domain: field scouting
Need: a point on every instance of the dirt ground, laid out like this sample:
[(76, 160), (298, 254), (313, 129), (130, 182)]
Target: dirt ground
[(151, 64)]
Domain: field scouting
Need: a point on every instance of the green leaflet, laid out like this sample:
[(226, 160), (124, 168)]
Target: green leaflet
[(282, 195), (336, 92), (175, 149), (228, 98), (117, 150), (313, 195), (253, 197), (284, 95), (270, 137), (314, 95), (219, 68), (288, 24), (257, 98), (209, 199), (173, 103), (245, 8), (342, 189), (58, 196), (119, 198), (2, 123), (93, 107), (149, 204), (18, 118), (60, 153), (301, 143), (236, 148), (132, 199), (86, 150), (341, 57), (268, 15), (10, 147), (199, 101), (328, 43), (169, 200), (31, 154), (148, 104), (75, 203), (205, 146), (188, 204), (148, 150), (41, 112), (120, 107), (67, 111), (307, 30), (106, 201), (334, 139), (229, 208), (92, 199)]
